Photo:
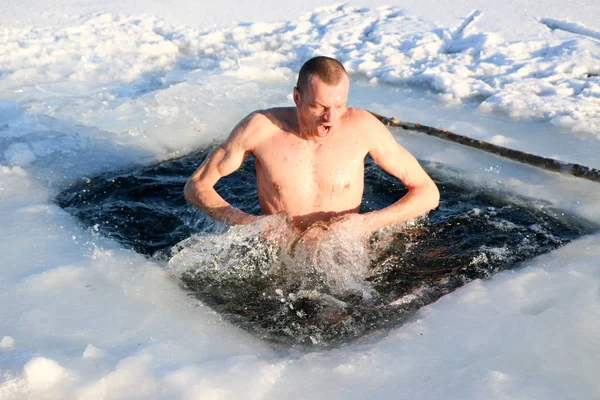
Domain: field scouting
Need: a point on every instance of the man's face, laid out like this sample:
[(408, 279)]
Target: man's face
[(321, 106)]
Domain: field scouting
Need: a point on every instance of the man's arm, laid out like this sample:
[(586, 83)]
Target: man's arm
[(423, 194), (224, 160)]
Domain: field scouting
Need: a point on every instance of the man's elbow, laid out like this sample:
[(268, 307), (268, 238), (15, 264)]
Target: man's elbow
[(190, 191), (429, 196), (433, 196)]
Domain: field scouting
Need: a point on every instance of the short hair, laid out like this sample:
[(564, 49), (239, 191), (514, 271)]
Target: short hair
[(327, 69)]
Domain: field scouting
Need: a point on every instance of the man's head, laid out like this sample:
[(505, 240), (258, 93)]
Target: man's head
[(320, 96)]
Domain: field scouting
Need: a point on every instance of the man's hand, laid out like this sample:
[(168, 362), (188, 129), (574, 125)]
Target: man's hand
[(347, 231), (348, 225), (278, 228), (352, 224)]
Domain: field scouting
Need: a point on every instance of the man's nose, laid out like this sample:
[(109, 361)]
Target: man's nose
[(329, 114)]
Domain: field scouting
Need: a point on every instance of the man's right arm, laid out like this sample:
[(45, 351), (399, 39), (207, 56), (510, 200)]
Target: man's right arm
[(224, 160)]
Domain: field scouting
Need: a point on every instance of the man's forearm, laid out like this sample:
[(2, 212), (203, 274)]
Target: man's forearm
[(415, 203), (209, 201), (230, 215)]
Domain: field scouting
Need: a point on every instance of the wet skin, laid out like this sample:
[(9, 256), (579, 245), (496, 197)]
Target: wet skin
[(310, 164)]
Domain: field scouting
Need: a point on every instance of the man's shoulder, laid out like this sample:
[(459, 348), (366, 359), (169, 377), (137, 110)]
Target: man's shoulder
[(261, 125), (368, 130), (363, 123)]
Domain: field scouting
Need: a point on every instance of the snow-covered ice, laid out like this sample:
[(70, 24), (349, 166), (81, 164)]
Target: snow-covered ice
[(86, 89)]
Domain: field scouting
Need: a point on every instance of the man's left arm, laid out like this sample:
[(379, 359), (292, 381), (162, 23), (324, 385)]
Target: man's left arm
[(423, 194)]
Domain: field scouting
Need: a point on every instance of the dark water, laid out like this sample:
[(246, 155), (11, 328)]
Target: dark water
[(321, 297)]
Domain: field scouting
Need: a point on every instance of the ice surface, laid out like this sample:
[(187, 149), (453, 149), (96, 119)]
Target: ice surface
[(87, 88)]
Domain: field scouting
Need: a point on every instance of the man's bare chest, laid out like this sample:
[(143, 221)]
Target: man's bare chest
[(294, 168)]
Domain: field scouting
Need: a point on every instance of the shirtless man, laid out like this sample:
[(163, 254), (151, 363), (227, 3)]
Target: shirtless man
[(310, 160)]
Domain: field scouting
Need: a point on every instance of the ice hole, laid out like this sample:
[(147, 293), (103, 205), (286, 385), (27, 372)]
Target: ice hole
[(333, 290)]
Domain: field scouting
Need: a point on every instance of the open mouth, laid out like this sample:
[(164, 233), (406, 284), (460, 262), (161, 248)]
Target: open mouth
[(323, 130)]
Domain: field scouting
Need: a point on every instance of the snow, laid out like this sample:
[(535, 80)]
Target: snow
[(573, 27), (92, 352), (7, 343), (87, 88)]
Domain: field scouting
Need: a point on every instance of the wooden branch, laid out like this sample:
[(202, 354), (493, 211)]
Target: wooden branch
[(578, 170)]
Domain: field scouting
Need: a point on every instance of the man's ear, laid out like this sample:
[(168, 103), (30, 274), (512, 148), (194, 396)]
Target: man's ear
[(296, 97)]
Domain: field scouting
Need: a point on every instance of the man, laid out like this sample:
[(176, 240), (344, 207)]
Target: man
[(310, 160)]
